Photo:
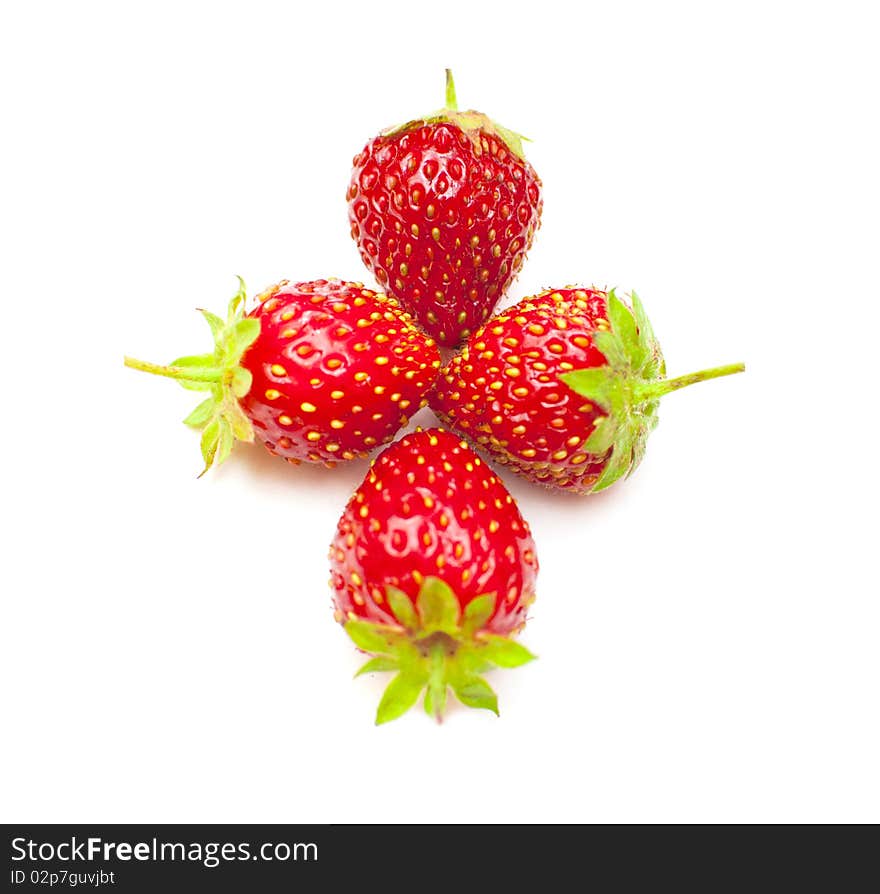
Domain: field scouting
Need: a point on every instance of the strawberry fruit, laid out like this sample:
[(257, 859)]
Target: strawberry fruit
[(443, 210), (432, 571), (563, 387), (319, 371)]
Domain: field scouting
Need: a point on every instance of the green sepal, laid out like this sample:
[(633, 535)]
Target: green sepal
[(632, 357), (613, 348), (513, 139), (242, 379), (399, 696), (602, 438), (209, 443), (438, 607), (627, 388), (620, 463), (655, 365), (475, 692), (472, 123), (377, 665), (438, 647), (220, 417), (638, 449), (504, 652), (473, 660), (477, 612), (241, 427), (238, 301), (402, 608), (370, 637), (623, 330), (201, 414), (239, 338), (227, 439), (216, 323), (597, 381)]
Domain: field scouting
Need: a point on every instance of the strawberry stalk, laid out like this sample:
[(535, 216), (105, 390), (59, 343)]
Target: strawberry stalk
[(220, 416), (451, 99), (207, 374), (654, 390)]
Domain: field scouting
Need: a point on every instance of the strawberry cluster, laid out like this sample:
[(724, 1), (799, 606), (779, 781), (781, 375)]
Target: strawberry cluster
[(433, 568)]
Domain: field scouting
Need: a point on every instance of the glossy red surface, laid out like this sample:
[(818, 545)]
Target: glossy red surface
[(431, 507), (503, 391), (337, 368), (444, 222)]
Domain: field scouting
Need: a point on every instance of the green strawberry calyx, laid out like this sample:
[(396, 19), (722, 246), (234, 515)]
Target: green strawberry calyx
[(435, 647), (628, 387), (219, 417), (472, 123)]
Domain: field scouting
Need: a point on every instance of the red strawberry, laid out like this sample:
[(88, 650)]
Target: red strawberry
[(433, 568), (443, 210), (319, 371), (563, 387)]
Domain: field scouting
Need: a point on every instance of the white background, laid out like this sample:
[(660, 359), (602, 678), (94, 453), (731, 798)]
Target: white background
[(707, 630)]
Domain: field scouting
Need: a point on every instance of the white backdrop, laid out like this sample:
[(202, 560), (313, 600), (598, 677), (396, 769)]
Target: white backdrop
[(707, 631)]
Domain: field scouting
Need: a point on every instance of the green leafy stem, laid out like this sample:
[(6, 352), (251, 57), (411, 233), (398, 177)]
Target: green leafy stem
[(220, 416), (628, 388), (437, 647), (471, 122)]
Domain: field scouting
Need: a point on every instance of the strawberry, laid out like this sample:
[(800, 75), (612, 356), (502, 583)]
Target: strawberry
[(432, 571), (318, 371), (443, 210), (563, 387)]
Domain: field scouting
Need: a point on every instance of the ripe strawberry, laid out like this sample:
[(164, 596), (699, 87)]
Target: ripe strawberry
[(433, 568), (318, 371), (443, 210), (563, 387)]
